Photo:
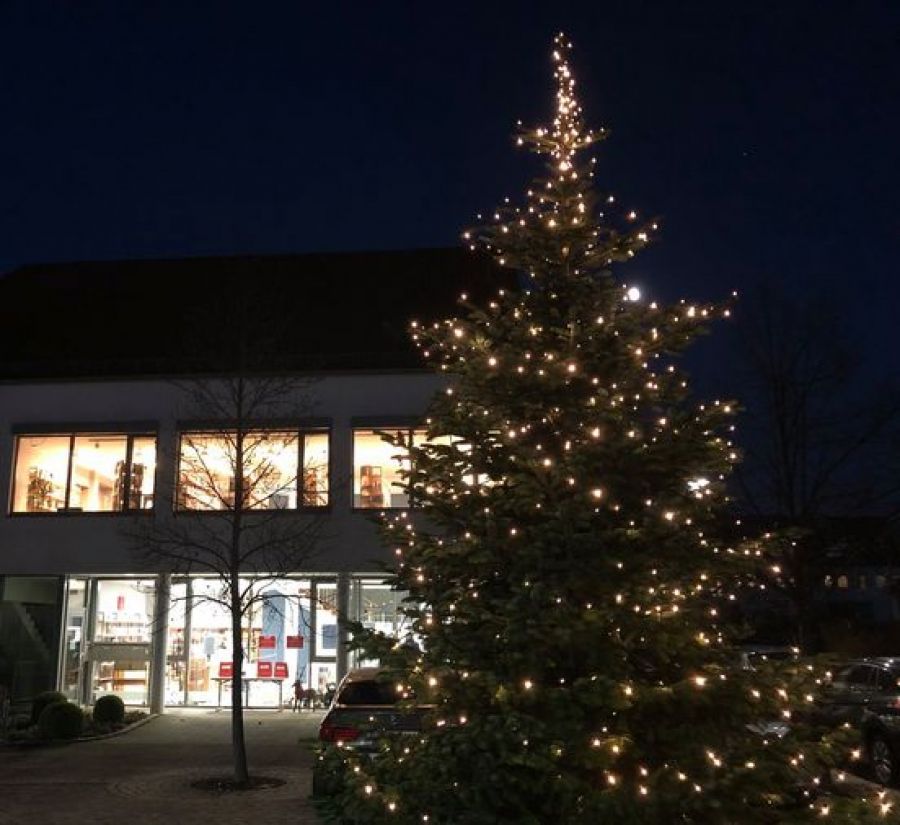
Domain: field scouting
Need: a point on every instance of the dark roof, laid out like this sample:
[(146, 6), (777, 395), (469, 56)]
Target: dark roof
[(156, 317)]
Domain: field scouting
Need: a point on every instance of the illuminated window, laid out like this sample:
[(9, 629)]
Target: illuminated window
[(84, 473), (315, 469), (461, 457), (377, 468), (273, 466)]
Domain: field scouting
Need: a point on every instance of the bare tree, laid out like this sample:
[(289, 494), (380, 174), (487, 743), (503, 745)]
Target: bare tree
[(246, 501), (237, 500), (820, 434)]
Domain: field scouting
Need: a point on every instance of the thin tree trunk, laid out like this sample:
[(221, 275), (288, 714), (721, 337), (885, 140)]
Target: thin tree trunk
[(800, 594), (238, 746)]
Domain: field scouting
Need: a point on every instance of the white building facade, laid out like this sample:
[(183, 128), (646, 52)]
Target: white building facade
[(85, 609), (96, 434)]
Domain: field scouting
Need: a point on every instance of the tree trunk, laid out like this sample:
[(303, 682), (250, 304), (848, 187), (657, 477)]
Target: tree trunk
[(801, 595), (238, 746)]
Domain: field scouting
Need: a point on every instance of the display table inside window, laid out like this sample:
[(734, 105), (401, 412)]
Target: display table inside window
[(267, 673)]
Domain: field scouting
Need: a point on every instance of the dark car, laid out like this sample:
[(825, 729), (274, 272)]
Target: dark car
[(366, 708), (752, 656), (866, 694)]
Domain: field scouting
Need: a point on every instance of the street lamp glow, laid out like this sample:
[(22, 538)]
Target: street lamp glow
[(633, 294)]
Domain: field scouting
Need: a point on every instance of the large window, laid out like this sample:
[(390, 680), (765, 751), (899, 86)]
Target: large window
[(277, 635), (378, 468), (84, 473), (281, 470), (377, 606)]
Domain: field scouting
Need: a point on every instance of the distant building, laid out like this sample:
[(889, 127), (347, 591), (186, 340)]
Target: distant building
[(859, 574), (93, 427), (854, 588)]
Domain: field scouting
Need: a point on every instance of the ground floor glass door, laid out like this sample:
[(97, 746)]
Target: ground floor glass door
[(119, 652), (176, 650), (276, 637), (74, 634)]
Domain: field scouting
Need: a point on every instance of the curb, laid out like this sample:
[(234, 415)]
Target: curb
[(133, 726)]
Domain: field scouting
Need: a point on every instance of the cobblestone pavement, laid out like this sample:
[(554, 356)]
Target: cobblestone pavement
[(143, 777)]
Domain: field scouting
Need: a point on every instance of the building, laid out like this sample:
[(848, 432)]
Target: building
[(99, 432)]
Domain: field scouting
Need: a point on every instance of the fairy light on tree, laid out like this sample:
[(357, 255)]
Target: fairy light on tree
[(565, 589)]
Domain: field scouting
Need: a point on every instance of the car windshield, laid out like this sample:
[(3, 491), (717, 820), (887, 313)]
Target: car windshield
[(367, 693)]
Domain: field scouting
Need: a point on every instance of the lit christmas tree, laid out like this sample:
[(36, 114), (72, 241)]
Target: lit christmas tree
[(566, 584)]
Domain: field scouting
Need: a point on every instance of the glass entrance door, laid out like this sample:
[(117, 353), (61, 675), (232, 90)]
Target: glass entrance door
[(72, 676), (176, 649), (208, 643), (276, 637), (120, 649), (323, 670)]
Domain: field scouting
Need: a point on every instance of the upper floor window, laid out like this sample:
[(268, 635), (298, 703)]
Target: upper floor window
[(84, 472), (378, 467), (280, 470)]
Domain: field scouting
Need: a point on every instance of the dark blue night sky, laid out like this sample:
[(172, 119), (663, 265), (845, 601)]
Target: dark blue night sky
[(764, 134)]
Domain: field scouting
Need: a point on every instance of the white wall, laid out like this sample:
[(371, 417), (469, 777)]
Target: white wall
[(94, 544)]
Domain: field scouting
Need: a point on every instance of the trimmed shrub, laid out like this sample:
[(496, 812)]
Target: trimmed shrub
[(61, 720), (109, 710), (48, 697)]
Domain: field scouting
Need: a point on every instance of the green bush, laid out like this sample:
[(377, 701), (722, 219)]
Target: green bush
[(61, 720), (48, 697), (109, 710)]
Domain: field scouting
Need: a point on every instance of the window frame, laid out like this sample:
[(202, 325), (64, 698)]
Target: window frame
[(300, 431), (73, 433)]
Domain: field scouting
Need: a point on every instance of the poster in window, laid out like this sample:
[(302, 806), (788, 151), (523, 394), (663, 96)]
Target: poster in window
[(312, 497), (370, 490)]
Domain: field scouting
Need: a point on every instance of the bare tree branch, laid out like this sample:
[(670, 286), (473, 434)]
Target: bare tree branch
[(820, 441)]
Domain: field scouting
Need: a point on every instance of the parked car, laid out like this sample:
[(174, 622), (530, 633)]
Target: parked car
[(866, 694), (751, 656), (366, 708)]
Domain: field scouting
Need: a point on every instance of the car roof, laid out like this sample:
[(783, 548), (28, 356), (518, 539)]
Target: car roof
[(890, 662), (362, 674)]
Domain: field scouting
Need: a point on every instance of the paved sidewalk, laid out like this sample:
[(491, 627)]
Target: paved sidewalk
[(144, 776)]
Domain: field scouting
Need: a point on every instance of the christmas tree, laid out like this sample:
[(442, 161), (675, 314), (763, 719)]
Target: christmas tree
[(566, 586)]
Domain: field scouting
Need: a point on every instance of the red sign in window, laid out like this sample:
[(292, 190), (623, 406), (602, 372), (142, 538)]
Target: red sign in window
[(226, 670), (264, 670), (294, 642), (281, 670), (267, 641)]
